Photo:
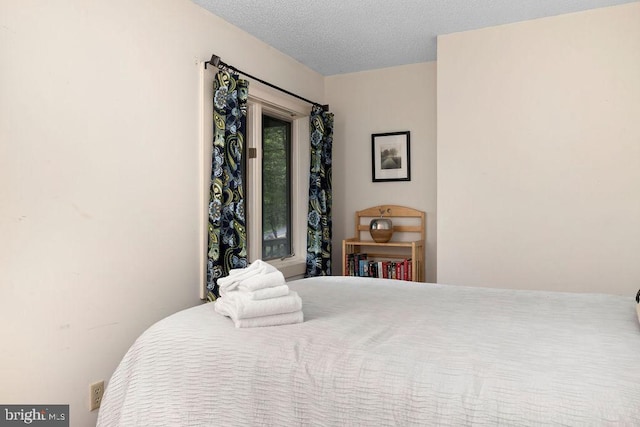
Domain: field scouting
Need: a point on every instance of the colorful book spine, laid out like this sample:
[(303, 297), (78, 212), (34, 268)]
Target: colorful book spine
[(358, 264)]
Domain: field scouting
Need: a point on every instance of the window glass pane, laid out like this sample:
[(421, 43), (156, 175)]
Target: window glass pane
[(276, 188)]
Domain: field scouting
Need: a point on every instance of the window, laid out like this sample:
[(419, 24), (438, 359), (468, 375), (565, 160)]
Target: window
[(277, 179), (276, 188), (276, 106)]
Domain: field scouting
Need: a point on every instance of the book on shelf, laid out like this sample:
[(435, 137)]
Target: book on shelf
[(359, 264)]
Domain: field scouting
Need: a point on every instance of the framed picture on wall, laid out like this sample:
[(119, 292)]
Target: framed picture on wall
[(390, 156)]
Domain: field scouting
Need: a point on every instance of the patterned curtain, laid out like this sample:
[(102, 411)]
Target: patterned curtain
[(319, 218), (227, 231)]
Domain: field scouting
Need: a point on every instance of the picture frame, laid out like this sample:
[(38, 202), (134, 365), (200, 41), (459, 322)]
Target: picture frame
[(391, 156)]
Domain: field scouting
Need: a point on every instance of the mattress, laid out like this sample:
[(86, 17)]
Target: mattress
[(377, 352)]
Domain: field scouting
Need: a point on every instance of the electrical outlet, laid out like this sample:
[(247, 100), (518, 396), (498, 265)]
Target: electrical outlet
[(96, 390)]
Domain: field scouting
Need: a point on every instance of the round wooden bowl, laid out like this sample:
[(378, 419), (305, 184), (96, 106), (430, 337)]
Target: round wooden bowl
[(381, 229), (380, 235)]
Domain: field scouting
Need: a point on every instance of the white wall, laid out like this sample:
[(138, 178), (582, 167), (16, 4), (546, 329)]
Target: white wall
[(539, 153), (377, 101), (99, 180)]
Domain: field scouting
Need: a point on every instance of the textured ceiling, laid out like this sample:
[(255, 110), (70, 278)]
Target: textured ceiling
[(343, 36)]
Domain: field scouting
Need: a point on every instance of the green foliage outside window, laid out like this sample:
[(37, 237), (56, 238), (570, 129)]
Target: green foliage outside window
[(276, 200)]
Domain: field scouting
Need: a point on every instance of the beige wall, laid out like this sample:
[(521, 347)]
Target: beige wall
[(539, 153), (385, 100), (99, 159)]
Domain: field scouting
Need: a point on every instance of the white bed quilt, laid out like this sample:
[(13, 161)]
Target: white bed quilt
[(384, 353)]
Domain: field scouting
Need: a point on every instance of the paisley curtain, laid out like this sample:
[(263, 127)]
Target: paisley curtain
[(319, 217), (227, 230)]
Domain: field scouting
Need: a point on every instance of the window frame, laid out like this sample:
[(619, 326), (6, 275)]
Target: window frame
[(263, 100)]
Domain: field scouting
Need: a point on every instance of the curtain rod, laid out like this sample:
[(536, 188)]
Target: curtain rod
[(217, 62)]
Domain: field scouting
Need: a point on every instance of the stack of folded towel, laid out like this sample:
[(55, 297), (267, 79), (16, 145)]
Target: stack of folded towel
[(258, 296)]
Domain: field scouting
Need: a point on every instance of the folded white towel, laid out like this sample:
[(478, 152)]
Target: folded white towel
[(239, 305), (273, 320), (256, 265), (262, 281), (266, 293), (237, 275)]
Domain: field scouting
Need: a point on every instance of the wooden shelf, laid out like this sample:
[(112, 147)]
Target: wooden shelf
[(408, 223)]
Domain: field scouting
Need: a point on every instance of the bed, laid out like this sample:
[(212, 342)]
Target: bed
[(379, 352)]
